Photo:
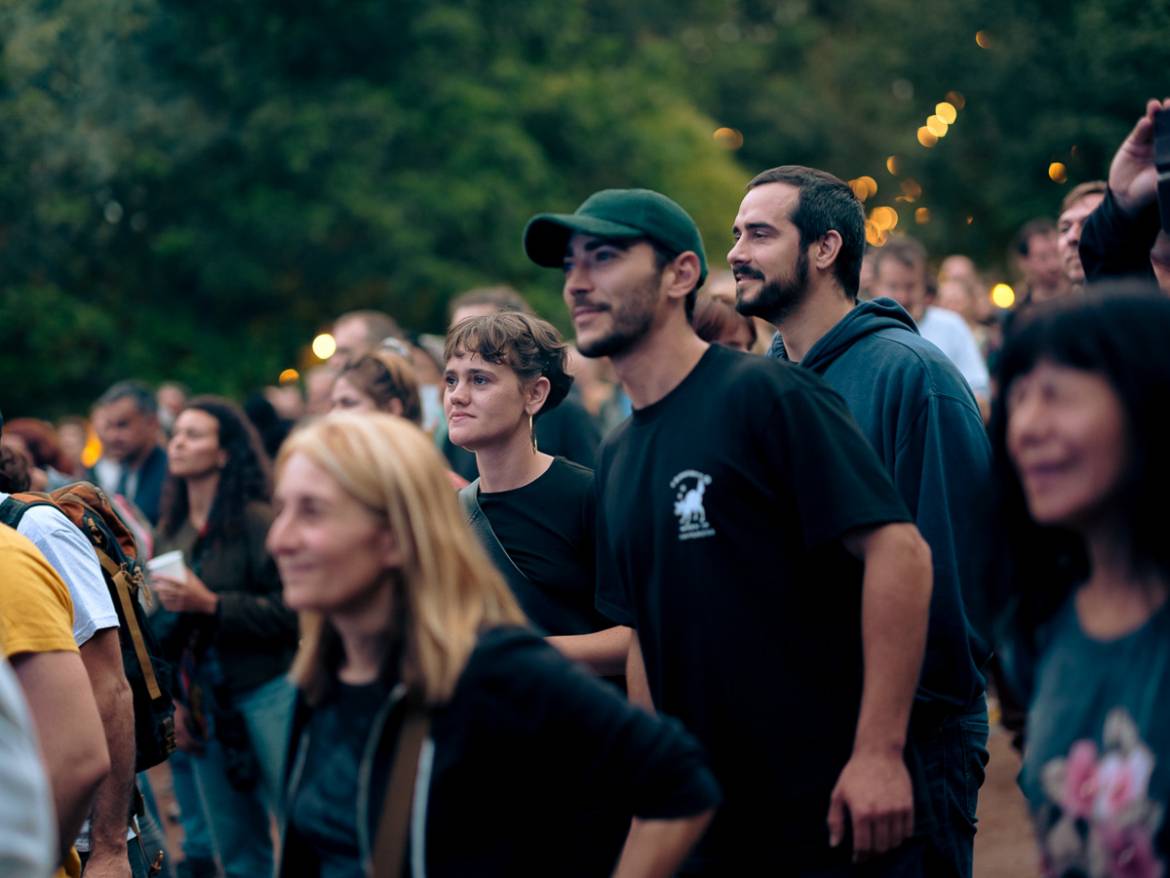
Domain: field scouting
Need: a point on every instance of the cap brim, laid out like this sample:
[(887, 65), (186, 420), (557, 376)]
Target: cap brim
[(547, 235)]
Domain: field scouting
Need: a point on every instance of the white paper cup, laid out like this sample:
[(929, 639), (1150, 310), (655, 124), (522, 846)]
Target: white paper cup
[(168, 564)]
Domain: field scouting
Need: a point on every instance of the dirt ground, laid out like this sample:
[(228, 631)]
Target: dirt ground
[(1004, 845)]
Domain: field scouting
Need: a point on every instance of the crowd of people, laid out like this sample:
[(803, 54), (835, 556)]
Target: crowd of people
[(719, 589)]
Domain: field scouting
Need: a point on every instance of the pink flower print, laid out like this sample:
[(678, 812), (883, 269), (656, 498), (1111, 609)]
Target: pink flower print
[(1122, 780), (1080, 780), (1129, 852)]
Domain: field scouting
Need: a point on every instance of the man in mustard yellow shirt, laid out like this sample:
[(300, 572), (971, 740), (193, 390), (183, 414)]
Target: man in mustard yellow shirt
[(36, 621)]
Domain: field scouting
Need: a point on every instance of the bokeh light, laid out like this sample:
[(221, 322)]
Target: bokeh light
[(912, 189), (926, 137), (956, 98), (982, 40), (947, 112), (288, 376), (937, 126), (324, 346), (728, 138), (892, 164), (1003, 296), (1057, 172), (884, 218), (864, 187), (922, 216)]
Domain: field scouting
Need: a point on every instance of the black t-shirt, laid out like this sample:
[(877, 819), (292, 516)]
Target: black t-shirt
[(547, 528), (323, 809), (722, 508)]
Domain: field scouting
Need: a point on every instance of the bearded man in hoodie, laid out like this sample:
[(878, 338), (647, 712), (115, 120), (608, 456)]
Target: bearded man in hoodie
[(799, 242)]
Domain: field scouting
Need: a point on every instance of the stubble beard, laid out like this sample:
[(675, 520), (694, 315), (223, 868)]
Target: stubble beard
[(631, 320), (777, 299)]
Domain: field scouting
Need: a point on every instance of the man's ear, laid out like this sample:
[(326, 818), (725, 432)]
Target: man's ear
[(682, 274), (535, 393), (827, 249)]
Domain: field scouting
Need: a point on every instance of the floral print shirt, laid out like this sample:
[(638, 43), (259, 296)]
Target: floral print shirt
[(1097, 761)]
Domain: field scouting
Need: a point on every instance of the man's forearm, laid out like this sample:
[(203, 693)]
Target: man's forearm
[(895, 609), (603, 652), (111, 806), (637, 683), (656, 848)]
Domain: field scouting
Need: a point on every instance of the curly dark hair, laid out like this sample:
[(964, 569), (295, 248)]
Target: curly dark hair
[(531, 347), (246, 477)]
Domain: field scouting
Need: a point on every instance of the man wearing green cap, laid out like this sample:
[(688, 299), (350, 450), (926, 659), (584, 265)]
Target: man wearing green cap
[(735, 506)]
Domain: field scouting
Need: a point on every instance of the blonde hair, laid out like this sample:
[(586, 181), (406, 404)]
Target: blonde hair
[(446, 590)]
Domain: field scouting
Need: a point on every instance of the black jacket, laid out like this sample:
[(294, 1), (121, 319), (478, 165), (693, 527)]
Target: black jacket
[(533, 767)]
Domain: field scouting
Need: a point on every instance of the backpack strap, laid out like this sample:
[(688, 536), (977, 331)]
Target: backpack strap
[(391, 840), (126, 599), (469, 498)]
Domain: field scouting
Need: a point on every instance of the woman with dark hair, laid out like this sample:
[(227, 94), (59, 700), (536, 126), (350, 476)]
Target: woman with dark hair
[(533, 512), (1080, 437), (231, 635)]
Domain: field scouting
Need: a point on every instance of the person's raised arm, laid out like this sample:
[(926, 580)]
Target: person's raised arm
[(102, 657), (874, 787), (69, 729)]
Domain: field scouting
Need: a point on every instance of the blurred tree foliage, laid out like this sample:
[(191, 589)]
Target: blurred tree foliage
[(189, 191)]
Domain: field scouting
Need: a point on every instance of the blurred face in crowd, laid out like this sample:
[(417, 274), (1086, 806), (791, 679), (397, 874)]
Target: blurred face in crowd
[(128, 434), (955, 295), (739, 339), (905, 284), (194, 451), (346, 397), (767, 260), (352, 339), (72, 438), (613, 292), (1067, 438), (1069, 235), (485, 403), (483, 309), (1042, 267), (333, 552)]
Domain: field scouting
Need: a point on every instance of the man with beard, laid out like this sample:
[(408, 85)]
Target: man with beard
[(758, 653), (799, 237)]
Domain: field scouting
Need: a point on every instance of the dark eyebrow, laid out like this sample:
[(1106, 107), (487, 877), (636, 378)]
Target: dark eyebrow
[(622, 244), (748, 227)]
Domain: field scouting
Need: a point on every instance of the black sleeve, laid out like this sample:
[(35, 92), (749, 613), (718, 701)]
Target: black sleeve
[(574, 726), (1115, 244), (834, 474), (258, 612)]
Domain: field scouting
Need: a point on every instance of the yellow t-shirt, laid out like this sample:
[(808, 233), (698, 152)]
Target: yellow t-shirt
[(36, 615)]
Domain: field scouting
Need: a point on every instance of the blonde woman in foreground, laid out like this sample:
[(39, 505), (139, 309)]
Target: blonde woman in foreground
[(407, 627)]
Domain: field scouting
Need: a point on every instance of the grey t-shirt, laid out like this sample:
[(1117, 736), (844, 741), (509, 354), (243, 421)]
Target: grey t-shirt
[(1096, 766), (28, 830)]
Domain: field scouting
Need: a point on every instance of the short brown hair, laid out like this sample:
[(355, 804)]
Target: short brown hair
[(384, 376), (716, 317), (531, 347), (501, 297), (907, 251), (378, 325), (1082, 190)]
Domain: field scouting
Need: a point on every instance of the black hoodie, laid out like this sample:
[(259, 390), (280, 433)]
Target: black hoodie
[(922, 420)]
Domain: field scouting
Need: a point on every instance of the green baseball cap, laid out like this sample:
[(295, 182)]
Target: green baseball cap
[(615, 213)]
